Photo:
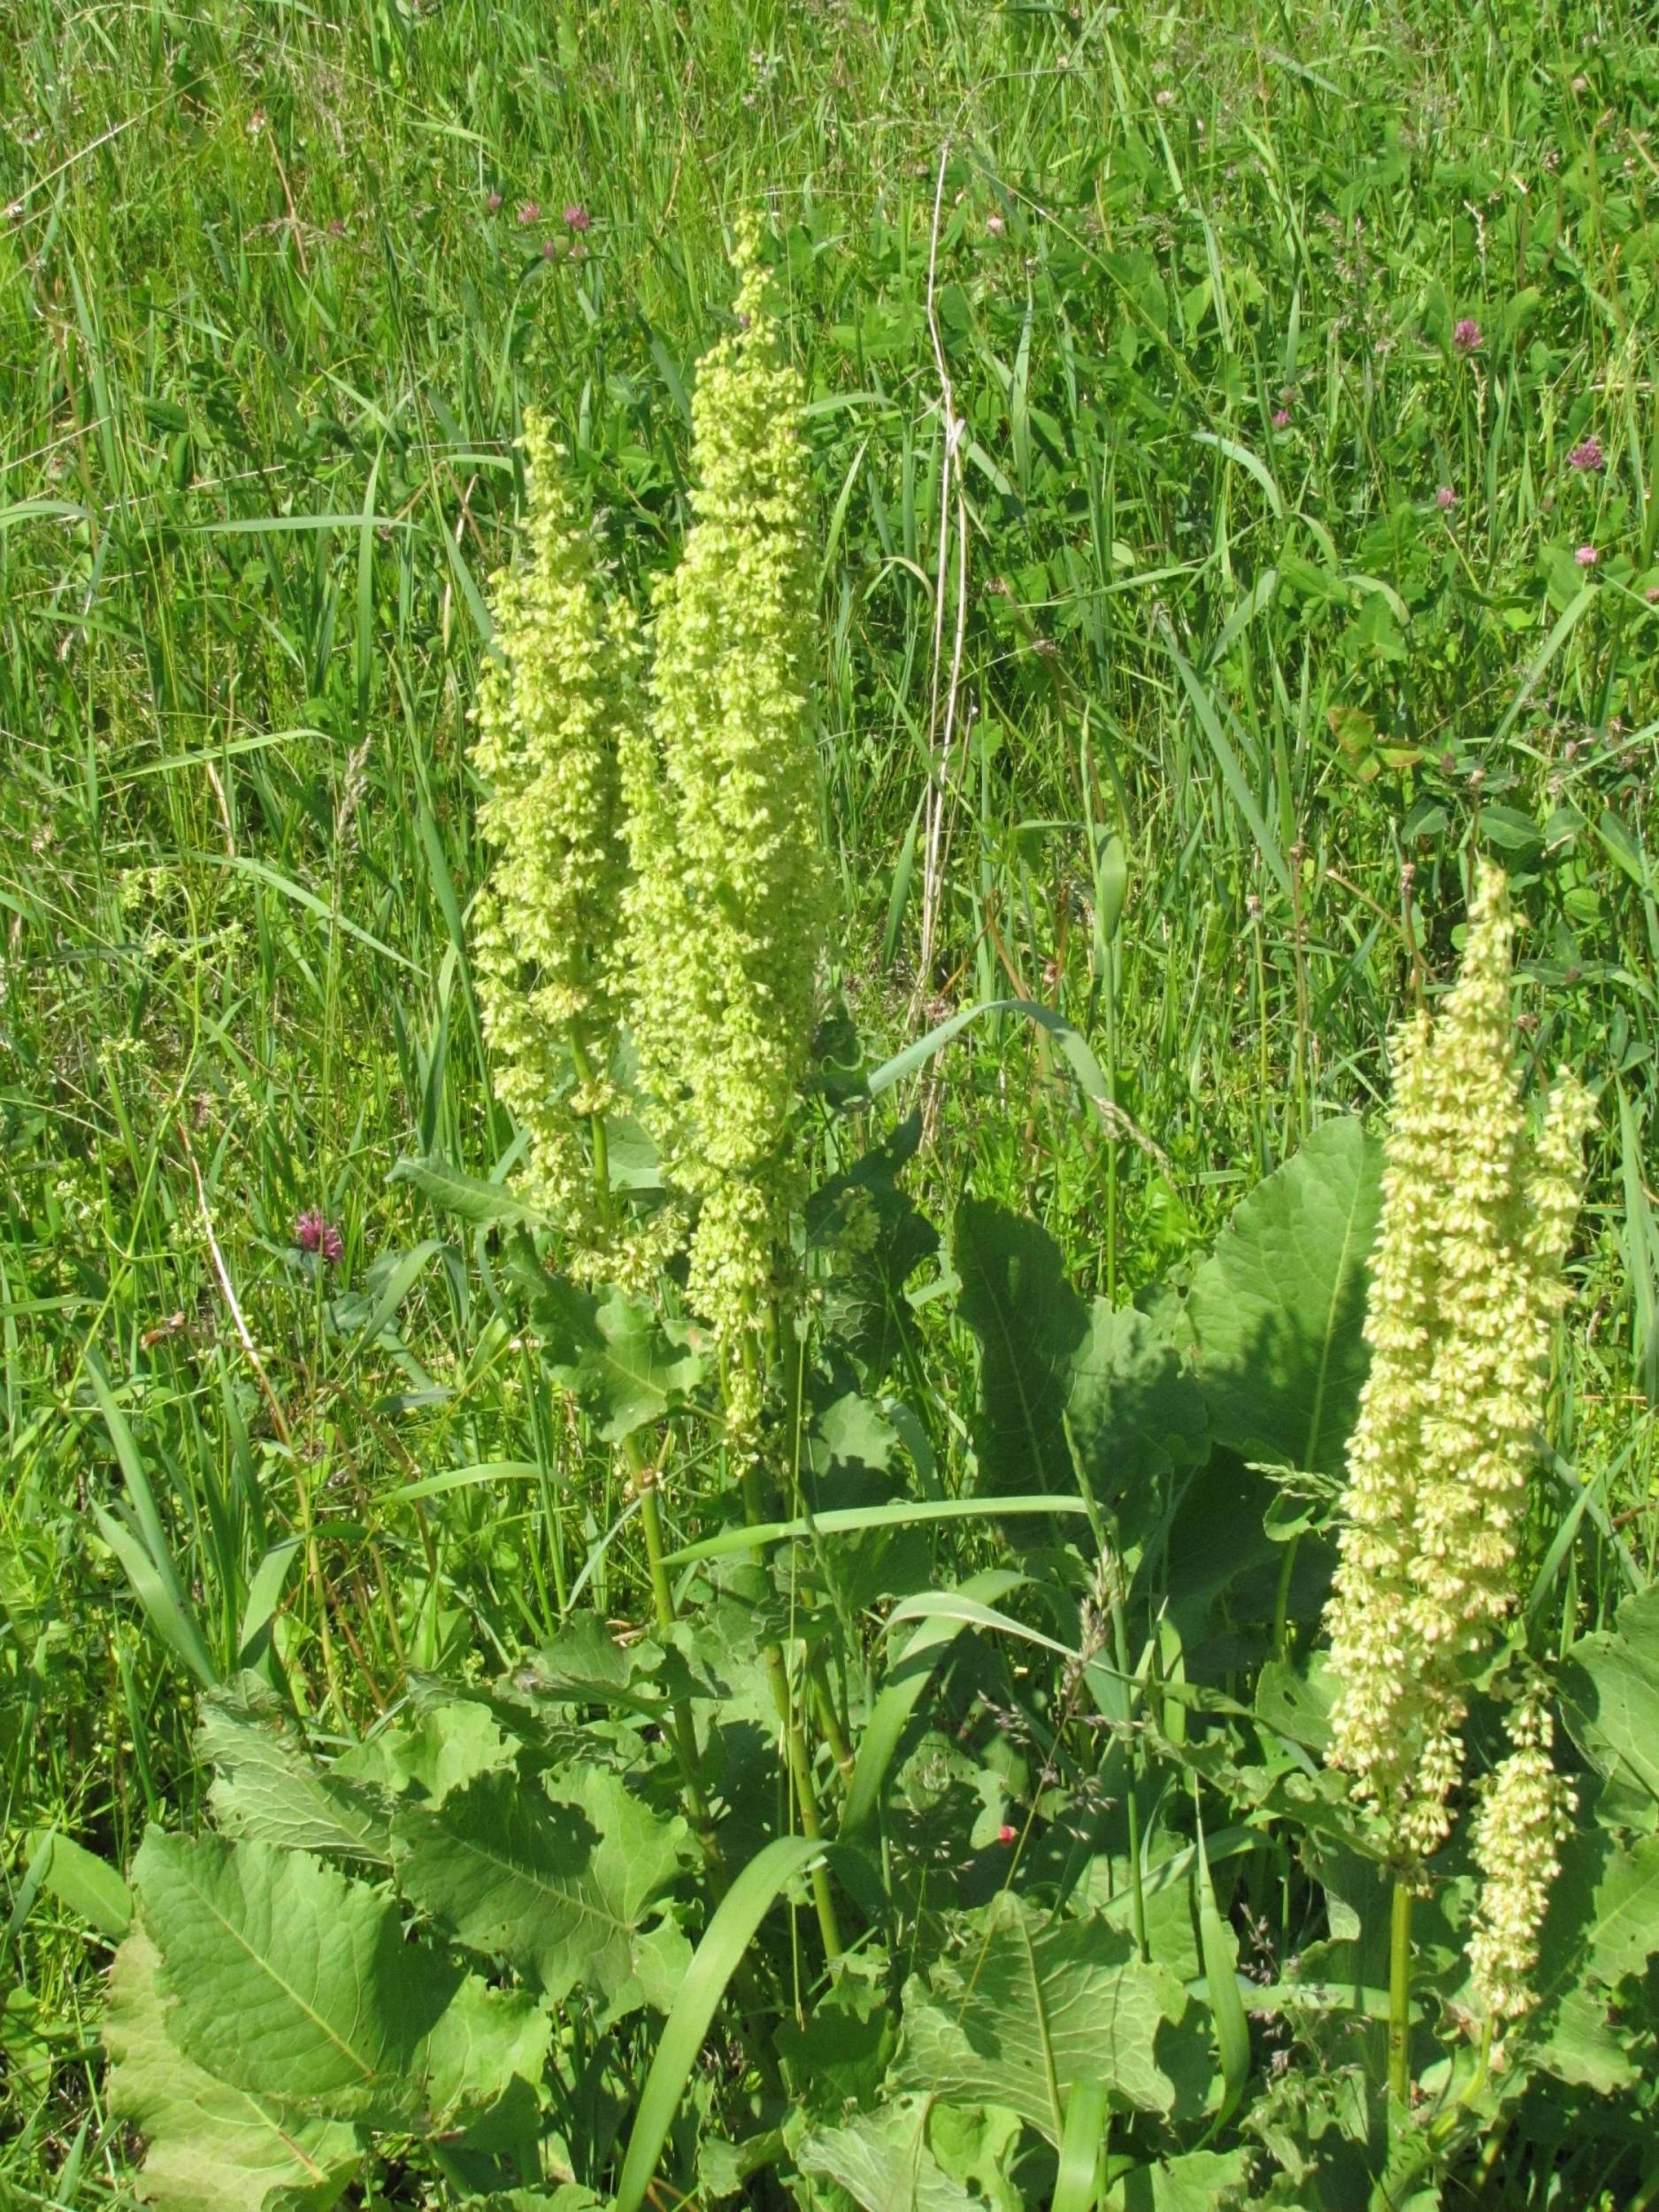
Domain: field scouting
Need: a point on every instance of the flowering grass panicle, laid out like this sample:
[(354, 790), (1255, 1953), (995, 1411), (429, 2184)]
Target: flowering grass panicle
[(1464, 1288), (1525, 1816), (726, 912), (550, 712)]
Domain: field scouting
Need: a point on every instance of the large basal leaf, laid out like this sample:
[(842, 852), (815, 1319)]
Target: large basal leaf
[(1277, 1308), (1031, 1324), (1609, 1692), (1039, 2005), (1135, 1411), (585, 1665), (209, 2148), (1602, 1925), (612, 1356), (284, 1978), (269, 1789), (917, 2155), (444, 1737), (559, 1883)]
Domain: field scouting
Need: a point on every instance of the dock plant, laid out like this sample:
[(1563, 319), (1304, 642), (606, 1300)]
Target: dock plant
[(724, 920), (1465, 1289)]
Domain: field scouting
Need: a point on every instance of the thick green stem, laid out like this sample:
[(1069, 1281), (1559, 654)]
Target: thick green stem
[(683, 1734), (1400, 1994), (830, 1720), (684, 1730), (1281, 1601), (1131, 1805)]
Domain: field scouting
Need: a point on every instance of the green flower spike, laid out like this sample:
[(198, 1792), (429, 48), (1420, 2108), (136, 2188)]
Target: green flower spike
[(726, 915), (1465, 1286), (551, 711)]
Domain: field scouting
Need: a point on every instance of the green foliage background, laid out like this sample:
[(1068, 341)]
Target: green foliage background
[(1235, 699)]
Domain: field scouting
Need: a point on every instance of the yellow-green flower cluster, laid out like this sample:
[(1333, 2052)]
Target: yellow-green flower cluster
[(1525, 1816), (726, 914), (1465, 1285), (551, 711)]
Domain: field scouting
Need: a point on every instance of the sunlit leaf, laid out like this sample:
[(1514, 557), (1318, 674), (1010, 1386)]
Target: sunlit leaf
[(1278, 1308)]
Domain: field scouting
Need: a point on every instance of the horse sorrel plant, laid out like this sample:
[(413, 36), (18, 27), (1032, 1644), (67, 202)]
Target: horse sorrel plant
[(1465, 1287), (1103, 1853)]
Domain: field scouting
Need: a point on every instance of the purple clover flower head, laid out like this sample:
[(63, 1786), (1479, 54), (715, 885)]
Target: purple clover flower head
[(494, 203), (1467, 335), (1587, 456), (1446, 499), (577, 217), (312, 1233), (1281, 419), (1586, 557), (530, 212)]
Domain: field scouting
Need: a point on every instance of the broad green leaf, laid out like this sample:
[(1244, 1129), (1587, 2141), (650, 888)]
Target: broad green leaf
[(1609, 1691), (845, 1458), (872, 1238), (613, 1357), (1198, 2181), (585, 1665), (1033, 2008), (209, 2148), (559, 1883), (288, 1979), (1296, 1705), (465, 1196), (1277, 1310), (1135, 1411), (1603, 1924), (87, 1885), (835, 2057), (888, 2160), (437, 1747), (269, 1789), (1031, 1326)]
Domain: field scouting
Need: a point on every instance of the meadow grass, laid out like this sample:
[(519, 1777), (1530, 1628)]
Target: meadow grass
[(1194, 401)]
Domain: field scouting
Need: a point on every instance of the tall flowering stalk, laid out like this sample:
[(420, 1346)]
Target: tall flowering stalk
[(725, 913), (552, 710), (1465, 1286)]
